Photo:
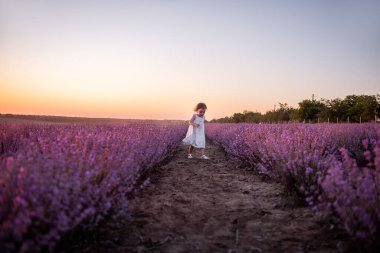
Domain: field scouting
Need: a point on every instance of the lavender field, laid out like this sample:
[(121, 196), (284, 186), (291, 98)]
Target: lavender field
[(334, 167), (57, 177)]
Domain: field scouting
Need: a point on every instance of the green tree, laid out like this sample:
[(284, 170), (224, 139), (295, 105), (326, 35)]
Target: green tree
[(358, 107), (253, 117), (310, 109)]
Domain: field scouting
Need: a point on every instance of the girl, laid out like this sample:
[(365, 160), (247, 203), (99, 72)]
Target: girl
[(195, 135)]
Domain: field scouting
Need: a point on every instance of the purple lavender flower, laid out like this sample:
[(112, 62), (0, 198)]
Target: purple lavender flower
[(309, 170)]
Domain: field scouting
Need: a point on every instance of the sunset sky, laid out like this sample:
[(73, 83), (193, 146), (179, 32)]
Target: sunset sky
[(157, 59)]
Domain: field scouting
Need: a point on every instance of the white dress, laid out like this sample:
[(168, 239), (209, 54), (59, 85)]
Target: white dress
[(195, 136)]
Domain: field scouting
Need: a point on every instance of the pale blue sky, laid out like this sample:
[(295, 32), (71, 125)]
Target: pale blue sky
[(157, 59)]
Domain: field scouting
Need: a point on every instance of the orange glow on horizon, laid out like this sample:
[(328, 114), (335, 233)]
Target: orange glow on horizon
[(32, 94)]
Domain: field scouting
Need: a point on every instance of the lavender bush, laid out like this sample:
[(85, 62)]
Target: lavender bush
[(309, 160), (352, 192), (56, 177)]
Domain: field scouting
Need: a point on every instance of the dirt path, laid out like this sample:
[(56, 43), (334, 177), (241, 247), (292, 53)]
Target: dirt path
[(195, 205)]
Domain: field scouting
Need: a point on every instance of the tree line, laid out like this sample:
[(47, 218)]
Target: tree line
[(353, 108)]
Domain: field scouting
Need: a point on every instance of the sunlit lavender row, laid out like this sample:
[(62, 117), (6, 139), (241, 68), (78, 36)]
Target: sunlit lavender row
[(336, 168), (57, 177)]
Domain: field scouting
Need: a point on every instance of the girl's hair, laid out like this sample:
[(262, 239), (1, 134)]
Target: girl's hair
[(200, 106)]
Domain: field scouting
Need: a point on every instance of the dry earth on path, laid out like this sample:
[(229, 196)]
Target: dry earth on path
[(194, 205)]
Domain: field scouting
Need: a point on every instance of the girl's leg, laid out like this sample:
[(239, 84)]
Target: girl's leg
[(203, 154), (191, 149)]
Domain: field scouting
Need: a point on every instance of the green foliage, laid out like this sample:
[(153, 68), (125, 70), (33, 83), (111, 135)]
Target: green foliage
[(310, 109), (284, 113), (353, 108)]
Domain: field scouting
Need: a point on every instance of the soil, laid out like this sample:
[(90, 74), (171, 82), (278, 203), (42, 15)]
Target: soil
[(216, 205)]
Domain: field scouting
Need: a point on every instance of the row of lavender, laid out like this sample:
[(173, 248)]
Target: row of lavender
[(58, 177), (336, 168)]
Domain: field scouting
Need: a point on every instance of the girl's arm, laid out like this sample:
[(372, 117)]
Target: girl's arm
[(191, 121)]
